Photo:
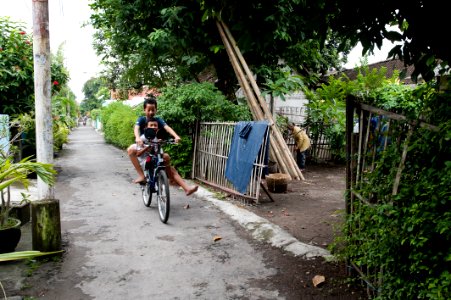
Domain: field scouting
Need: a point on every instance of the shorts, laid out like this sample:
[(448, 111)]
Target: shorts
[(142, 157)]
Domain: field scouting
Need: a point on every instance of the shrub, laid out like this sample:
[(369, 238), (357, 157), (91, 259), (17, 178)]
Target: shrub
[(117, 121), (181, 107)]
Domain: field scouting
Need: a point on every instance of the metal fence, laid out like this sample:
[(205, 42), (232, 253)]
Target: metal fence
[(211, 150)]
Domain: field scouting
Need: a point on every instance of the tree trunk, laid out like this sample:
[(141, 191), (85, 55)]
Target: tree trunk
[(46, 225)]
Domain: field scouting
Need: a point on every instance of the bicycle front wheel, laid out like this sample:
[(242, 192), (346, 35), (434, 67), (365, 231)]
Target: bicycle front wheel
[(163, 197), (146, 194)]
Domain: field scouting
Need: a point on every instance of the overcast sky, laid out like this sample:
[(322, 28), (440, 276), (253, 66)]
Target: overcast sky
[(356, 55), (66, 18)]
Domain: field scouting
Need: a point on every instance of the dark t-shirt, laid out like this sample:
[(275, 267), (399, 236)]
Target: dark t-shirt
[(142, 123)]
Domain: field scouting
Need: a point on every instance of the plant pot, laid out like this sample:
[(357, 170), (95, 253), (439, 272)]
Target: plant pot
[(21, 211), (10, 236)]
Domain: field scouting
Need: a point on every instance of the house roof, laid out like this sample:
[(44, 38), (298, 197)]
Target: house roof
[(391, 65)]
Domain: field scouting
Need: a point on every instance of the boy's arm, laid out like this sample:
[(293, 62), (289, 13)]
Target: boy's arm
[(141, 151), (172, 132), (138, 140)]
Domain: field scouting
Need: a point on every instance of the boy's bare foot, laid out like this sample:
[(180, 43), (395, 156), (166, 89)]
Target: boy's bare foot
[(139, 180), (192, 190)]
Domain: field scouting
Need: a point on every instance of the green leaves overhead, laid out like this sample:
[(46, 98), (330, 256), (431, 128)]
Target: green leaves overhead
[(417, 26), (152, 42)]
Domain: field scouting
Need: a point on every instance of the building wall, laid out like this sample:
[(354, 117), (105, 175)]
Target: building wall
[(293, 107)]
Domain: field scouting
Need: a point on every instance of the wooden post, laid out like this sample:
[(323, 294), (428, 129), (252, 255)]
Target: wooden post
[(42, 91), (46, 225)]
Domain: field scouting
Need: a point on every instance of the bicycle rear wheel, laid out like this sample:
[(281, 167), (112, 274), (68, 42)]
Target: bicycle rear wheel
[(163, 197), (146, 192)]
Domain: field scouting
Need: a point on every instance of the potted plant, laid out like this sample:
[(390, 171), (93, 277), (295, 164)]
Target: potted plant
[(12, 172)]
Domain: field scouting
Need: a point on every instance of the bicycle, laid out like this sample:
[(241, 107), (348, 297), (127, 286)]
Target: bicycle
[(156, 178)]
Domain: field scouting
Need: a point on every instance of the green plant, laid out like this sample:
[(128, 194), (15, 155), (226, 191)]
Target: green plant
[(60, 134), (16, 69), (326, 114), (12, 172), (406, 234), (117, 122), (20, 255), (183, 106)]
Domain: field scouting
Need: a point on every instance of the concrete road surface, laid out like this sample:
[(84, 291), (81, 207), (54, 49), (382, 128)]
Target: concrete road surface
[(119, 249), (116, 248)]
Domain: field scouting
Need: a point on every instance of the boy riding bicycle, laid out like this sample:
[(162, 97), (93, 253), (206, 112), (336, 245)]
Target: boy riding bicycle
[(150, 109)]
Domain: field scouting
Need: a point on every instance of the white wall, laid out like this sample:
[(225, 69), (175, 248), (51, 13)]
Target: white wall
[(294, 106)]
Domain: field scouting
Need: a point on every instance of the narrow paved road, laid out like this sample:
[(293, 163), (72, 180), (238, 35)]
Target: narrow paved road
[(116, 248)]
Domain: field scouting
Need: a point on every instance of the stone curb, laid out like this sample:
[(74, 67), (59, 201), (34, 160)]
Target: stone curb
[(263, 230)]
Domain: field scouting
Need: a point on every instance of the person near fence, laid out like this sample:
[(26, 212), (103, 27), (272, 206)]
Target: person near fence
[(150, 110), (302, 142)]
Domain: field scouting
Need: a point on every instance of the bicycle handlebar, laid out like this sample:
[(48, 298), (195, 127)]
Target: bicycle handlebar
[(161, 142)]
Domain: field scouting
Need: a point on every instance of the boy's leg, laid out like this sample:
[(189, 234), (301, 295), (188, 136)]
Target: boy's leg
[(302, 160), (175, 177), (134, 159)]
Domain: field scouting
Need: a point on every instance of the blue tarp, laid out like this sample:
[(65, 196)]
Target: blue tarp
[(246, 143)]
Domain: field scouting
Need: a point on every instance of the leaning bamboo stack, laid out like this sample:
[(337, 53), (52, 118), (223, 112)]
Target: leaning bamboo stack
[(278, 148)]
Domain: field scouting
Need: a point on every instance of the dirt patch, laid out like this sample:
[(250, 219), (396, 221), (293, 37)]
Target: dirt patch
[(312, 211)]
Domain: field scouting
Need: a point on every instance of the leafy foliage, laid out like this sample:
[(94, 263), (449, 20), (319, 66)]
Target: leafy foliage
[(182, 107), (414, 26), (117, 122), (405, 234), (153, 42), (16, 69), (326, 107), (96, 92), (12, 171)]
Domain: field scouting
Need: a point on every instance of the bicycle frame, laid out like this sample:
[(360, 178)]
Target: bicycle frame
[(156, 179)]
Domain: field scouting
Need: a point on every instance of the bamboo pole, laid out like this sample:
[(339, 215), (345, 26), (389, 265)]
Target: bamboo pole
[(252, 102), (286, 156), (240, 75)]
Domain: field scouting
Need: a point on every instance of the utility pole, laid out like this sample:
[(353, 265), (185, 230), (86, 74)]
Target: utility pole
[(45, 213), (42, 89)]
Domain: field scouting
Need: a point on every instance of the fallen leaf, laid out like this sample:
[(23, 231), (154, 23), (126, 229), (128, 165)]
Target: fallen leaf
[(217, 238), (318, 280)]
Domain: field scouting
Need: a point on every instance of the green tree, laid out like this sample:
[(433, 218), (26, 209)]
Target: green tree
[(419, 38), (96, 92), (16, 69), (153, 42)]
